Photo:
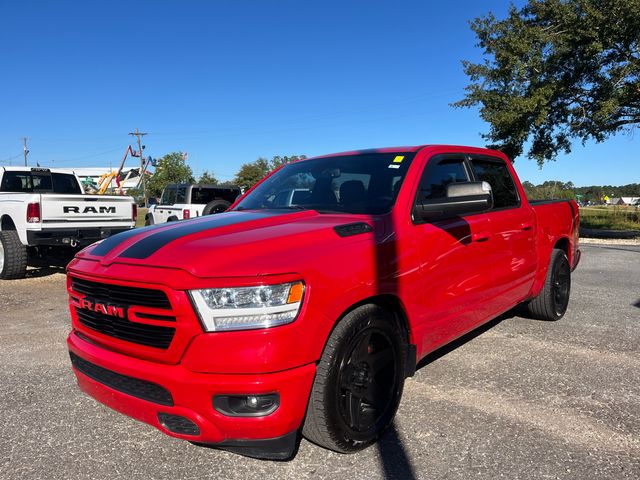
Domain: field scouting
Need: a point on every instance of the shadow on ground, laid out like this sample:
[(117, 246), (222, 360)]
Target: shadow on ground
[(393, 456), (38, 272)]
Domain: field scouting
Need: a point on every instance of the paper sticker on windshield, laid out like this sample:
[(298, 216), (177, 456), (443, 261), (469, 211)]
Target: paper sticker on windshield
[(396, 161)]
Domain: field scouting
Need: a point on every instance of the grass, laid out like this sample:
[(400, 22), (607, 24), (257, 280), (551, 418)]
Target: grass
[(610, 218), (141, 214)]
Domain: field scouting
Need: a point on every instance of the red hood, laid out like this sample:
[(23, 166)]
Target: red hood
[(246, 243)]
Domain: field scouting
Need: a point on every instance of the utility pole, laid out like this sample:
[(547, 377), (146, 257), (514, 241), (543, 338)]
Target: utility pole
[(26, 150), (139, 134)]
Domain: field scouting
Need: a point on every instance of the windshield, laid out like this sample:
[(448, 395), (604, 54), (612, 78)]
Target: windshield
[(362, 183)]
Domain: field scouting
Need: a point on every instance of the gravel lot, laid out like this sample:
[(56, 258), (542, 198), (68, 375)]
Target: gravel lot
[(518, 399)]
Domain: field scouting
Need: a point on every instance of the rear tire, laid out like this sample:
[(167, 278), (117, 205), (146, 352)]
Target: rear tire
[(215, 206), (13, 256), (359, 381), (148, 220), (552, 302)]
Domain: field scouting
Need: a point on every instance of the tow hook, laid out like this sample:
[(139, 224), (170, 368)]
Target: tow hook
[(73, 243)]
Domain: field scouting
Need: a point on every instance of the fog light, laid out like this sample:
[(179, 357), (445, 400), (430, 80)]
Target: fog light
[(247, 405), (178, 424)]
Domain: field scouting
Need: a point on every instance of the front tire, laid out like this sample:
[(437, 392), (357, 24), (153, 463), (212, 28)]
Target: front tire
[(552, 302), (359, 381), (13, 256)]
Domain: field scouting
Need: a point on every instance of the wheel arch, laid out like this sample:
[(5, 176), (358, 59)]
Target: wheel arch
[(563, 244), (7, 223), (394, 305)]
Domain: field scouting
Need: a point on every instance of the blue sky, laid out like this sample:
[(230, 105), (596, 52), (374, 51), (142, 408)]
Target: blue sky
[(229, 81)]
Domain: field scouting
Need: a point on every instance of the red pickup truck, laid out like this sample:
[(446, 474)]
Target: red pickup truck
[(306, 314)]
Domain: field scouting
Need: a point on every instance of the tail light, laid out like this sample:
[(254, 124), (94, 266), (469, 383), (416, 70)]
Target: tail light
[(134, 212), (186, 213), (33, 213)]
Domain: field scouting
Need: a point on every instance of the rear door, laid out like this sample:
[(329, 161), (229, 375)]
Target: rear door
[(456, 258), (513, 234)]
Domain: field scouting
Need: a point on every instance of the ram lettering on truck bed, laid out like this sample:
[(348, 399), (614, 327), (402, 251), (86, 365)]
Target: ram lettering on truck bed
[(242, 329), (43, 209)]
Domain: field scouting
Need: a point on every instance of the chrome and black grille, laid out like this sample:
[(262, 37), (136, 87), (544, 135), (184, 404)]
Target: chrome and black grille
[(143, 297), (115, 326), (123, 329), (135, 387)]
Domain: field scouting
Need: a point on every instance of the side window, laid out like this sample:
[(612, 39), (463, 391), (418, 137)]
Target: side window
[(169, 196), (181, 196), (437, 175), (497, 174)]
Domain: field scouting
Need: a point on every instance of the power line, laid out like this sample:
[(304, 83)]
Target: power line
[(93, 155), (8, 159), (139, 134)]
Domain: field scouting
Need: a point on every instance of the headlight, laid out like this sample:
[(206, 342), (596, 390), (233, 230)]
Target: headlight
[(247, 308)]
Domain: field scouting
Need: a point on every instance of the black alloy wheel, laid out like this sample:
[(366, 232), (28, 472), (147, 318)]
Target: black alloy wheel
[(359, 381), (553, 300), (561, 286), (367, 381)]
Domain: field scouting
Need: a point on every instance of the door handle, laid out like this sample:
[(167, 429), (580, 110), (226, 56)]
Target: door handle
[(526, 226), (480, 236)]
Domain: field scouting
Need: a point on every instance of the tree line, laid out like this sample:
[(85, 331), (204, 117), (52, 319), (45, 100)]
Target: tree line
[(173, 168), (553, 189)]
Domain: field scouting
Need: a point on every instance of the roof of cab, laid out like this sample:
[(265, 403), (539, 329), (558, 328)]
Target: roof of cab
[(414, 148), (36, 169)]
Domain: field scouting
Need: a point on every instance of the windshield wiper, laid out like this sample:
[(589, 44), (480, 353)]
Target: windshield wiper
[(290, 207)]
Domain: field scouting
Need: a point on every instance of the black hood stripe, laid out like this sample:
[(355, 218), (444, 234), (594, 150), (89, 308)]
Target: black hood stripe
[(112, 242), (154, 242)]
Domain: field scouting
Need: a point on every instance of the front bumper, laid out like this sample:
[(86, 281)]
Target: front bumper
[(191, 397)]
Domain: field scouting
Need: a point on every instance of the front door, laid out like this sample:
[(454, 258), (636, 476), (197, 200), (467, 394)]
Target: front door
[(456, 257)]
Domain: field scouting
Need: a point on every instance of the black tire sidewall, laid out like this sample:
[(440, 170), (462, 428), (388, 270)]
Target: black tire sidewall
[(15, 255), (211, 206), (559, 257), (6, 256), (377, 319)]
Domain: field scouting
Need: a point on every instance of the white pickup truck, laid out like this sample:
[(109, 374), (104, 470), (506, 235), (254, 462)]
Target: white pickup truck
[(181, 201), (42, 209)]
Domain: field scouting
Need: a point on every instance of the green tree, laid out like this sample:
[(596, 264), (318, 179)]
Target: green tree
[(172, 168), (251, 173), (278, 161), (208, 178), (555, 71)]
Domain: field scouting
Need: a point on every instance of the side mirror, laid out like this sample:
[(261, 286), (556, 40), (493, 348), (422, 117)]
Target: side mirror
[(462, 198)]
